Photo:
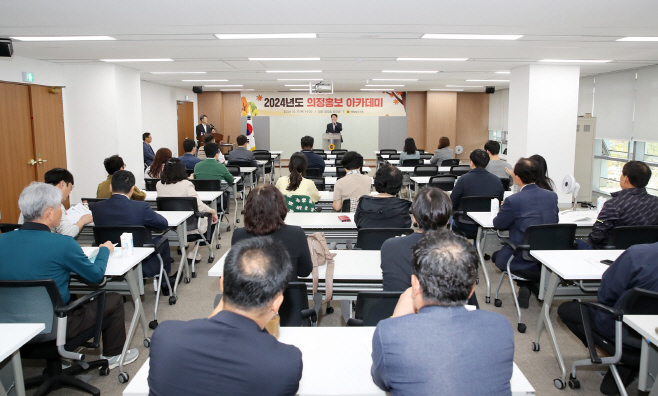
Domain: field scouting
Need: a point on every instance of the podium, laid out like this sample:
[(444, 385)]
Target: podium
[(330, 138)]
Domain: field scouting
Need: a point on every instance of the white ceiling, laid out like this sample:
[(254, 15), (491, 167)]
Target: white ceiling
[(356, 39)]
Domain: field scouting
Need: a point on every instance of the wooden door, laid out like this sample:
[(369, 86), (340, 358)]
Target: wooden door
[(48, 127), (16, 149), (186, 124)]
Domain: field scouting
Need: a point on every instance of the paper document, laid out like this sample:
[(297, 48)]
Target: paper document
[(75, 212)]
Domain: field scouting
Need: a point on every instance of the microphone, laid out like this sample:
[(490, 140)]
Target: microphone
[(211, 125)]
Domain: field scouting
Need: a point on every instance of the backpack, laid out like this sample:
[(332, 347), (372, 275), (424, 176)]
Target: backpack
[(320, 255)]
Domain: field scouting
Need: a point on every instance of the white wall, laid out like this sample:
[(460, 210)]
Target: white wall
[(45, 73), (159, 113), (499, 110)]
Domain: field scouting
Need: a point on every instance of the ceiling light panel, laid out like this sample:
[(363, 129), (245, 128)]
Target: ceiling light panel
[(638, 39), (65, 38), (575, 61)]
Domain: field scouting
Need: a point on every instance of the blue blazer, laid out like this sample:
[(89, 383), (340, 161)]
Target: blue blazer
[(227, 354), (314, 160), (148, 153), (189, 160), (530, 206), (441, 350), (120, 210)]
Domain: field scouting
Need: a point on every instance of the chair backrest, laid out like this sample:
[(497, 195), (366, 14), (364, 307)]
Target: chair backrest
[(548, 237), (394, 156), (421, 151), (506, 182), (299, 203), (180, 204), (637, 302), (627, 236), (313, 172), (388, 151), (459, 170), (426, 170), (410, 162), (319, 182), (260, 151), (244, 164), (426, 156), (338, 151), (151, 183), (339, 157), (471, 204), (189, 172), (102, 234), (234, 170), (295, 299), (31, 301), (318, 151), (374, 306), (340, 171), (91, 201), (450, 162), (207, 184), (263, 155), (6, 227), (373, 238), (322, 155), (444, 182)]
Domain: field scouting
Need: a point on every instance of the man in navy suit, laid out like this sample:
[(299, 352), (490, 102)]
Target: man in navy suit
[(334, 126), (433, 344), (530, 206), (148, 150), (120, 210), (231, 353), (314, 160)]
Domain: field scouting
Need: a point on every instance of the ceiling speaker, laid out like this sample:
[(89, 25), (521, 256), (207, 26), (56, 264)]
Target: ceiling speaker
[(490, 90), (6, 48), (197, 90)]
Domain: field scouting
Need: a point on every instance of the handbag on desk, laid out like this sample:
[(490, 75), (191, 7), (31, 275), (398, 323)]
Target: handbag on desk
[(320, 255)]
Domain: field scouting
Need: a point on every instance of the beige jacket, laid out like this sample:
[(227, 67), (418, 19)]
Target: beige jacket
[(184, 188)]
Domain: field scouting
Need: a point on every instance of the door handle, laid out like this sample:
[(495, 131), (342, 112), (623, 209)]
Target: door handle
[(31, 162), (41, 161)]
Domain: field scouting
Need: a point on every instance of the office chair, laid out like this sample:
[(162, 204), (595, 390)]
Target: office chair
[(450, 162), (322, 155), (410, 162), (141, 238), (340, 172), (426, 156), (319, 182), (394, 156), (189, 172), (239, 187), (39, 301), (151, 183), (421, 151), (462, 221), (264, 155), (388, 151), (245, 164), (506, 183), (374, 238), (7, 227), (338, 151), (294, 310), (339, 157), (350, 204), (627, 236), (224, 198), (318, 151), (91, 201), (313, 172), (536, 237), (426, 170), (373, 306), (626, 347), (443, 182), (459, 170)]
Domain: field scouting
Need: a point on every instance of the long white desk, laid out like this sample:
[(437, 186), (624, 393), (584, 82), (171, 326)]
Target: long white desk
[(337, 361), (14, 336), (332, 169), (567, 265), (647, 326), (327, 222), (330, 181)]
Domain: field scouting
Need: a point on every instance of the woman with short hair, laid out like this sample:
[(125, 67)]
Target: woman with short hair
[(384, 210), (443, 152)]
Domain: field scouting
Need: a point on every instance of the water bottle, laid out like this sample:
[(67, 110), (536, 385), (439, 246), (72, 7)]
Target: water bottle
[(599, 204), (127, 244), (495, 205)]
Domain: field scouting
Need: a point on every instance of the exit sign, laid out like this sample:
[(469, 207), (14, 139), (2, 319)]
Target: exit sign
[(28, 77)]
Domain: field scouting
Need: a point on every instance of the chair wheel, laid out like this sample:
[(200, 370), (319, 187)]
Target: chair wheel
[(153, 325), (488, 300), (242, 212), (559, 383), (211, 259), (147, 341), (187, 280), (330, 310), (104, 371), (574, 383), (498, 303), (123, 377), (521, 327), (477, 281), (193, 276), (237, 221), (218, 246), (228, 228), (172, 300), (535, 347)]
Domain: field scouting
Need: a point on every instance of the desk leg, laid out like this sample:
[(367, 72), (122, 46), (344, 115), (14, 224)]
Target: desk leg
[(346, 309), (19, 383), (481, 239), (181, 230), (138, 316), (545, 321), (648, 366), (235, 199), (140, 279)]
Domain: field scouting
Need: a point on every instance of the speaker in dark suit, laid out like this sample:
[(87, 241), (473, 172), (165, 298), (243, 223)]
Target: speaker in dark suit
[(334, 126), (203, 128)]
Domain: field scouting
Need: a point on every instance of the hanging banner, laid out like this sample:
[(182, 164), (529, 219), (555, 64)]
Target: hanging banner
[(305, 104)]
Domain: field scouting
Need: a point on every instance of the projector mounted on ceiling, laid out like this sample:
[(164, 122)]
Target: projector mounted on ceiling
[(322, 88)]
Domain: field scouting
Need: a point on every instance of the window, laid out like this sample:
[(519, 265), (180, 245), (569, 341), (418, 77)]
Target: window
[(609, 159)]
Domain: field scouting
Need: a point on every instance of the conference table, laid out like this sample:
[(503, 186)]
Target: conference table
[(567, 266), (14, 336), (332, 170), (337, 361), (647, 326), (276, 155), (333, 228)]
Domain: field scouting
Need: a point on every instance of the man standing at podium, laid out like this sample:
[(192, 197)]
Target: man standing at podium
[(334, 126), (203, 128)]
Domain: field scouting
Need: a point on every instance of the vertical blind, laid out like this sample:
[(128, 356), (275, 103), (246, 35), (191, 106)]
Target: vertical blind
[(585, 96), (645, 127), (613, 105), (499, 110)]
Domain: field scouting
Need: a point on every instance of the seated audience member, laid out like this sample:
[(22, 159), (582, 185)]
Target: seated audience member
[(210, 168), (296, 183), (113, 164), (384, 210), (353, 184), (496, 165), (201, 154), (264, 215), (478, 182), (631, 206), (443, 152), (161, 156), (409, 151), (314, 160), (174, 183), (32, 253), (530, 206), (63, 180), (148, 150), (433, 344), (636, 267), (231, 353), (242, 154), (119, 210), (189, 159), (543, 181)]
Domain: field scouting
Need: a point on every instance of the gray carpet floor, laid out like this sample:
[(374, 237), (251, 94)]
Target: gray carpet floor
[(196, 300)]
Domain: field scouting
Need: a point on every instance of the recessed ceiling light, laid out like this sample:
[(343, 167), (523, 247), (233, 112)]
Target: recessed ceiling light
[(410, 71), (638, 39), (238, 85), (293, 71), (502, 72), (464, 86), (575, 61), (265, 36), (65, 38), (387, 85), (374, 89), (472, 36), (137, 60), (284, 59), (487, 80), (300, 89), (450, 90), (432, 59), (178, 72), (299, 79), (235, 90), (394, 79), (204, 80), (297, 85)]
